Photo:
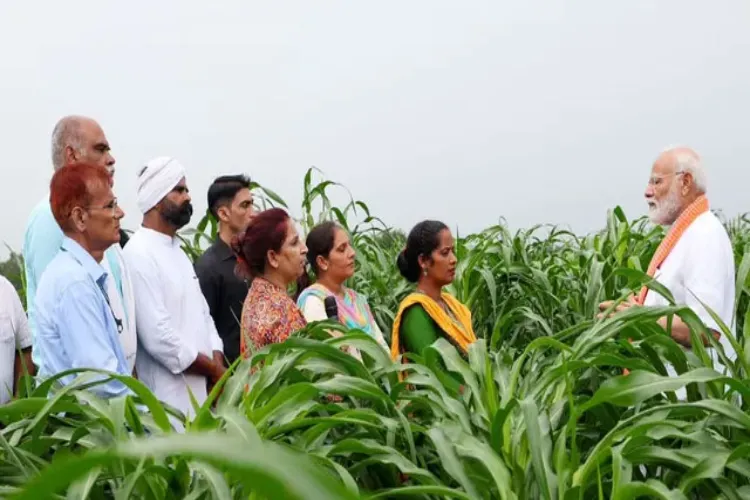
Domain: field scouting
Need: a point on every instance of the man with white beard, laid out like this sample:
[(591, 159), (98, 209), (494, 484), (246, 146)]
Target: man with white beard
[(179, 350), (695, 260)]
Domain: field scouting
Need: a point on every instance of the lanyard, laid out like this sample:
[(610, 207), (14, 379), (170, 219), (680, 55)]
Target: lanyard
[(118, 321), (114, 265)]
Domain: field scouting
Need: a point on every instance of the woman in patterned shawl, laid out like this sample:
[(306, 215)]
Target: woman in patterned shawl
[(331, 257), (271, 253)]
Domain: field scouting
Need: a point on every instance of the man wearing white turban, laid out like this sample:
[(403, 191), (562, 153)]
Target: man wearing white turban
[(178, 345)]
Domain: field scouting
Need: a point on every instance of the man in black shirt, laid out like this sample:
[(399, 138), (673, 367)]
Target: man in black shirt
[(231, 203)]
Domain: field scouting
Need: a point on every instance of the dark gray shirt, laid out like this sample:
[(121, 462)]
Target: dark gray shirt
[(225, 293)]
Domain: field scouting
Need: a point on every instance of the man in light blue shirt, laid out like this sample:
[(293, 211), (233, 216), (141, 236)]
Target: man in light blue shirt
[(76, 138), (76, 325)]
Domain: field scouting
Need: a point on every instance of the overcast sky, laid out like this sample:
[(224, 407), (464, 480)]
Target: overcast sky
[(535, 111)]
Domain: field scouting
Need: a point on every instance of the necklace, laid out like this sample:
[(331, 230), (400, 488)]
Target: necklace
[(444, 306), (447, 310)]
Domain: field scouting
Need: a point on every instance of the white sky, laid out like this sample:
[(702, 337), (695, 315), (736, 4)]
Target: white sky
[(536, 111)]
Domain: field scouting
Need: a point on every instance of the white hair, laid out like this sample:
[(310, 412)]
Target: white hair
[(687, 160), (67, 132)]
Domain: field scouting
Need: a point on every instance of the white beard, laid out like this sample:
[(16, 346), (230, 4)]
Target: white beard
[(666, 212)]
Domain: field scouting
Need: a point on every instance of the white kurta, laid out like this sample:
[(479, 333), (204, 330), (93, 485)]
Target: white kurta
[(700, 268), (173, 321), (113, 258), (14, 334)]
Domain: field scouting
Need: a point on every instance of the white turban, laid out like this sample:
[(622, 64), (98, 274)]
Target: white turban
[(156, 180)]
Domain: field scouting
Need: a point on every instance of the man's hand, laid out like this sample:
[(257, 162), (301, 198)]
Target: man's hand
[(218, 371), (622, 306), (219, 358), (680, 332), (207, 367), (220, 366), (22, 365)]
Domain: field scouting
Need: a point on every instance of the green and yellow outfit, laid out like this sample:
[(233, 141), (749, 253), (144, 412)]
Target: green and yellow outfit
[(420, 321)]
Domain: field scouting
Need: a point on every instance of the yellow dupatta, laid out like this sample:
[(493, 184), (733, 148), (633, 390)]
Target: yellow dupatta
[(463, 337)]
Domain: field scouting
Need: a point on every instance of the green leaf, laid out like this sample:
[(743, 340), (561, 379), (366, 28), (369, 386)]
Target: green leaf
[(268, 469), (540, 448), (638, 386)]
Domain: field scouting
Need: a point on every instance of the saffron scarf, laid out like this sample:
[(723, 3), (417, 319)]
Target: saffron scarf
[(687, 217), (461, 334)]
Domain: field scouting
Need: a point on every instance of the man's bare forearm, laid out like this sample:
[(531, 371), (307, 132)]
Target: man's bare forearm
[(207, 367), (680, 332), (219, 358), (23, 364)]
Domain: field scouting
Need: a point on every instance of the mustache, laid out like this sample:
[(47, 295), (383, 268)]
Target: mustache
[(178, 215)]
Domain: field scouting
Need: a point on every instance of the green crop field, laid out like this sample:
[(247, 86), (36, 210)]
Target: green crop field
[(545, 413)]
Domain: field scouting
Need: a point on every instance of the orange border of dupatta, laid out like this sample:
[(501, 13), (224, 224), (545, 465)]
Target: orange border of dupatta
[(687, 217)]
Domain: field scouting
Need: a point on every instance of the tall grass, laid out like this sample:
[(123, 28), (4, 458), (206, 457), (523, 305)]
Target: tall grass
[(545, 412)]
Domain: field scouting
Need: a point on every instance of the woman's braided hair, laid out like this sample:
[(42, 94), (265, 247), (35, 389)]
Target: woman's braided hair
[(423, 239)]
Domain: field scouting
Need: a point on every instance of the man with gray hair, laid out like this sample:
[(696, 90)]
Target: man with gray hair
[(695, 260), (77, 139)]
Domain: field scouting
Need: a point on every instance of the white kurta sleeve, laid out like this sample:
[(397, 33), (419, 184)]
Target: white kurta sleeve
[(216, 343), (213, 335), (314, 309), (706, 278), (20, 322), (154, 324)]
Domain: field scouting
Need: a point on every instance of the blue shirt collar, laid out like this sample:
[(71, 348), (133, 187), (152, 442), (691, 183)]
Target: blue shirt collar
[(95, 270)]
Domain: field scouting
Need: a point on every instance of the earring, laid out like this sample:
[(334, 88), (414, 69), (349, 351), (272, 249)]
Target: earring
[(424, 271)]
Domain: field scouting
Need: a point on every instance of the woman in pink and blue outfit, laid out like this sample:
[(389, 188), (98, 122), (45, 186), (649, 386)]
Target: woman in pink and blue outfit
[(331, 258)]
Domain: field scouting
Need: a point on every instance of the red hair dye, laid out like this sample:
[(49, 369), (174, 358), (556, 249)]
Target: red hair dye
[(266, 232), (70, 187)]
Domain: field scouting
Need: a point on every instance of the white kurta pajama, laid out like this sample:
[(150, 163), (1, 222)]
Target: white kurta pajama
[(173, 321), (700, 268), (121, 300), (14, 334)]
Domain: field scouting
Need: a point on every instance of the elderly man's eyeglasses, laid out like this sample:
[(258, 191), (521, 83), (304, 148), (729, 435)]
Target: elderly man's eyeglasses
[(656, 180), (111, 207)]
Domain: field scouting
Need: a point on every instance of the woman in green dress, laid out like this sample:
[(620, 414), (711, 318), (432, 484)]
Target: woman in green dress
[(429, 313)]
